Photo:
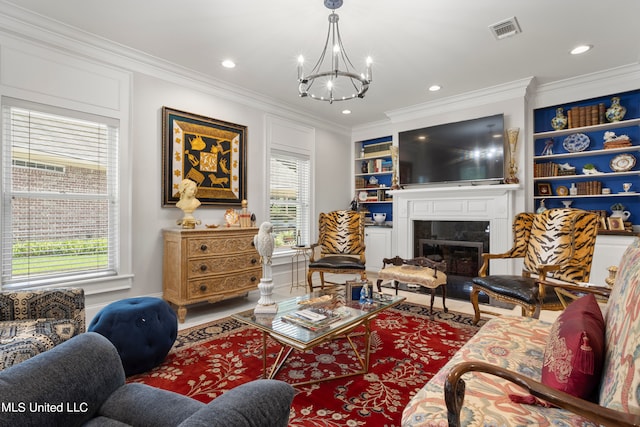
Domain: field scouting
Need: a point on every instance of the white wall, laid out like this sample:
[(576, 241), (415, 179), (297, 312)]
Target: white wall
[(149, 95)]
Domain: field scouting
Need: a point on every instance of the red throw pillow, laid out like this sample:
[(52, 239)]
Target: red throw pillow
[(574, 354)]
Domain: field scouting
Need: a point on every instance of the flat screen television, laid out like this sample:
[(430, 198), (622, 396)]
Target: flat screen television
[(470, 151)]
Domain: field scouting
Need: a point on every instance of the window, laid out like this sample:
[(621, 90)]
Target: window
[(289, 198), (59, 194)]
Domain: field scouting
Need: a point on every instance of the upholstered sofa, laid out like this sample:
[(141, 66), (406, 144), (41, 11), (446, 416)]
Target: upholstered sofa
[(33, 321), (82, 382), (519, 371)]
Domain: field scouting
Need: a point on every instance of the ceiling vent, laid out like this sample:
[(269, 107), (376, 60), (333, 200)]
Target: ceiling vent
[(505, 28)]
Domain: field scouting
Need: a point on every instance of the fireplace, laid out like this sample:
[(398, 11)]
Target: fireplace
[(463, 258), (460, 244), (459, 223)]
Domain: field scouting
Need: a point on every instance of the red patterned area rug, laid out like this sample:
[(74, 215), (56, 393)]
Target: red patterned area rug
[(408, 346)]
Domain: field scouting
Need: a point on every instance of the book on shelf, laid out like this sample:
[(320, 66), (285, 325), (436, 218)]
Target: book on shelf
[(587, 115), (379, 149)]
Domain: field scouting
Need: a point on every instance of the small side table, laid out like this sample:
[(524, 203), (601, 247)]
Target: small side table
[(301, 255)]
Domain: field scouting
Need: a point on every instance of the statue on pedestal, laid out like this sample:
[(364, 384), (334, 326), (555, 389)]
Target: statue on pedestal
[(265, 244)]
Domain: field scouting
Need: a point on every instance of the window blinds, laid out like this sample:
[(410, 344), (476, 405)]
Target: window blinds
[(60, 195), (289, 194)]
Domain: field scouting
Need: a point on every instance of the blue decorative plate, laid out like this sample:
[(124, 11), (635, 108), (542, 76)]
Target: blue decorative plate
[(576, 142)]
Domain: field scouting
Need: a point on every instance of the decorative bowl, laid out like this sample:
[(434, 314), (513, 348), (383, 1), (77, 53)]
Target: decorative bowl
[(379, 218)]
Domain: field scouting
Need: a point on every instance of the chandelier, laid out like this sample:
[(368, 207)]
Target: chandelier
[(333, 84)]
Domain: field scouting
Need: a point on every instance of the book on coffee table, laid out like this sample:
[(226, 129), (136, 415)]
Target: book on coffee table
[(311, 319)]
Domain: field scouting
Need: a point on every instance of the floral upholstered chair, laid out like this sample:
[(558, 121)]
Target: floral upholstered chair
[(33, 321), (519, 371)]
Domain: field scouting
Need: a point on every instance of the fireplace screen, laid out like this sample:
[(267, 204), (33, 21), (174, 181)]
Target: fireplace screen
[(460, 244)]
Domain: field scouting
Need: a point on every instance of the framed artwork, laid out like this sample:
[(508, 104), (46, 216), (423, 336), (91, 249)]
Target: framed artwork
[(615, 223), (210, 152), (353, 288), (603, 223), (544, 189)]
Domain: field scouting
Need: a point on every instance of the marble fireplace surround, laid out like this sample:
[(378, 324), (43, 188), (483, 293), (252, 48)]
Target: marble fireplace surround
[(493, 203)]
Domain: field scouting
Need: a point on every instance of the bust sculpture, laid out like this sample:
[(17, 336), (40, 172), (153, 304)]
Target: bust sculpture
[(188, 203)]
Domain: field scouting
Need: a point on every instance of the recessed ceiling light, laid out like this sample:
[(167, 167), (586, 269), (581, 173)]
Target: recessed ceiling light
[(434, 88), (227, 63), (581, 49), (346, 111)]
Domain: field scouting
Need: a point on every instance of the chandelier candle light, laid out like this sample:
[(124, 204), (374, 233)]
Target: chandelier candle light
[(333, 84)]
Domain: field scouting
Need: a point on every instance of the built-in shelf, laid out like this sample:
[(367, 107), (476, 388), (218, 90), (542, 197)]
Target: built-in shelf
[(371, 197), (551, 188), (593, 128)]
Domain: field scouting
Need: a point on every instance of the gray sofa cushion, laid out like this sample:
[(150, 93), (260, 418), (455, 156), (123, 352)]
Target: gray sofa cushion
[(254, 404), (79, 374), (84, 377), (159, 407)]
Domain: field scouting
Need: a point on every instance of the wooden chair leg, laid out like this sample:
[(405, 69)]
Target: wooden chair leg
[(379, 285), (322, 280), (474, 302), (444, 298), (433, 296), (310, 280)]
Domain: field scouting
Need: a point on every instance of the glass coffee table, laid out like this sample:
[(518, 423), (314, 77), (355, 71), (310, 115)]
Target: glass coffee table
[(342, 320)]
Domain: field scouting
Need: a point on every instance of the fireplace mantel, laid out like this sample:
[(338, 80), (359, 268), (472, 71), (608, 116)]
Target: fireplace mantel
[(493, 203)]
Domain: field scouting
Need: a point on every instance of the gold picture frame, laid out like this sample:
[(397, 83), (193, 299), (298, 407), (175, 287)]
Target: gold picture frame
[(615, 223), (603, 223), (544, 189), (353, 288), (210, 152)]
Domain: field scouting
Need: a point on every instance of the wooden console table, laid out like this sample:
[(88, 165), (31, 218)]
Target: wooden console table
[(208, 265)]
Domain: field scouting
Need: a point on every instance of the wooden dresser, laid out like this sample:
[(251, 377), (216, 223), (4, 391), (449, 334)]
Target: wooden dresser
[(208, 265)]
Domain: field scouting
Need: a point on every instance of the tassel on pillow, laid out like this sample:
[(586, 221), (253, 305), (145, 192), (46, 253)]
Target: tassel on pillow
[(585, 356)]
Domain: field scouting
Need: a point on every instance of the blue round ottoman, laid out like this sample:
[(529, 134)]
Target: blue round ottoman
[(142, 329)]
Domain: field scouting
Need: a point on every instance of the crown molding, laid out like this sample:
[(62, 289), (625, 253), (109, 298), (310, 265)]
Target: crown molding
[(502, 92), (619, 79), (20, 23)]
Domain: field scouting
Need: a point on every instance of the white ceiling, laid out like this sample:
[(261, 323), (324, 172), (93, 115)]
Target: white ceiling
[(414, 43)]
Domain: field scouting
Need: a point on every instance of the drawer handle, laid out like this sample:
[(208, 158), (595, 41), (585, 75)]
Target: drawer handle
[(203, 248), (254, 261), (203, 288), (203, 267), (253, 278), (253, 244)]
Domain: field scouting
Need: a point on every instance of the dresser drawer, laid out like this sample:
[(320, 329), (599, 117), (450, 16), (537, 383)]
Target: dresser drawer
[(197, 247), (222, 264), (208, 265), (220, 285)]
